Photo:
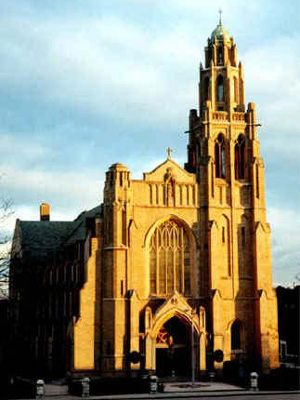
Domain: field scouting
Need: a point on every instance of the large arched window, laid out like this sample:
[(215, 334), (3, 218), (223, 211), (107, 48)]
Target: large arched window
[(236, 335), (170, 259), (239, 158), (220, 88), (220, 156)]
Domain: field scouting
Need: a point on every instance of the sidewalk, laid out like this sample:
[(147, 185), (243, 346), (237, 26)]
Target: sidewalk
[(172, 390)]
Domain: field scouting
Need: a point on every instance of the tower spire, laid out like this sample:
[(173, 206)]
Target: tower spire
[(220, 18)]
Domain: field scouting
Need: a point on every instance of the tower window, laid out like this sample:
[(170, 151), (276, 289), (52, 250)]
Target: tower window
[(220, 157), (220, 88), (243, 233), (235, 89), (239, 158), (220, 57), (257, 181), (206, 88)]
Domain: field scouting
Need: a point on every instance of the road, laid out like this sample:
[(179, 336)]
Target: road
[(220, 396), (285, 396)]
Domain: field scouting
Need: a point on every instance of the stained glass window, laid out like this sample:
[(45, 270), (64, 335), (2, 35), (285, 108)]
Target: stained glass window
[(170, 259)]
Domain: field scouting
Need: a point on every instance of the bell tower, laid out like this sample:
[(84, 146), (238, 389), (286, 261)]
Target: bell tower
[(235, 266)]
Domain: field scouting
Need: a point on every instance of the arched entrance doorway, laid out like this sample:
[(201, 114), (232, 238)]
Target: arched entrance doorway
[(173, 350)]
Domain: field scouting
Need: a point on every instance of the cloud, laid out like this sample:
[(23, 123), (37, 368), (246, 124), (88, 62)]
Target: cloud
[(285, 244), (83, 86), (68, 192)]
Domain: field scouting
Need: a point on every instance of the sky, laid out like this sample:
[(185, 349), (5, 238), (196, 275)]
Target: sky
[(87, 83)]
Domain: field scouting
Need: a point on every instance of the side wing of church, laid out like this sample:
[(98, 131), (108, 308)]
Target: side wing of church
[(170, 268)]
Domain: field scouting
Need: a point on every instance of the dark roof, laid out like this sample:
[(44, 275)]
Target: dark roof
[(40, 239)]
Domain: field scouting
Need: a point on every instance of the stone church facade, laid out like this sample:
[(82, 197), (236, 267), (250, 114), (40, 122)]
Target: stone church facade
[(170, 268)]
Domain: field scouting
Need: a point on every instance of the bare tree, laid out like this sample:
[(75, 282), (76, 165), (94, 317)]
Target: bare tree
[(5, 241)]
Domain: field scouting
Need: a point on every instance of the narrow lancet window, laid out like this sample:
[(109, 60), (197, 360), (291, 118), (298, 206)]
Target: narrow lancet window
[(235, 89), (220, 158), (206, 88), (239, 158), (220, 56), (220, 88)]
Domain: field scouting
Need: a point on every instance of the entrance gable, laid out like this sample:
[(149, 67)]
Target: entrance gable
[(175, 305)]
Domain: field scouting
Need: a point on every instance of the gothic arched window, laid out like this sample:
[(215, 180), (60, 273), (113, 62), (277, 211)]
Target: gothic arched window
[(170, 259), (236, 335), (220, 88), (206, 88), (239, 158), (220, 156)]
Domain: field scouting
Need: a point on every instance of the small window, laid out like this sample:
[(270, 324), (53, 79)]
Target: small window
[(220, 88), (239, 158), (220, 58), (236, 335), (243, 232), (220, 157), (235, 89), (206, 88), (111, 179), (257, 181)]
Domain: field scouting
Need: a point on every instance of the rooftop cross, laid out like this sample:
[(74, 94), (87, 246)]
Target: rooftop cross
[(169, 151)]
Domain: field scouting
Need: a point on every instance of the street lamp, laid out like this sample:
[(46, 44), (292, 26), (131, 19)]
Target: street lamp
[(193, 353), (192, 347)]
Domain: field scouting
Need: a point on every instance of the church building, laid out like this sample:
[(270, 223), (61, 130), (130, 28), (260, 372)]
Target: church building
[(173, 272)]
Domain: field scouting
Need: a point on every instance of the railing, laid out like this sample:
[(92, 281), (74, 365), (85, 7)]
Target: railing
[(224, 116), (220, 116), (239, 116)]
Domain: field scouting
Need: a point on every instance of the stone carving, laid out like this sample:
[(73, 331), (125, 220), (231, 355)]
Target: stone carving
[(169, 186)]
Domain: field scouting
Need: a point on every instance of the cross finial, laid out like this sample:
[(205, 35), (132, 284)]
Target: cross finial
[(220, 12), (169, 151)]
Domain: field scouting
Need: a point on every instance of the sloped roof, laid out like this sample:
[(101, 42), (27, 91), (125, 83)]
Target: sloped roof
[(42, 238), (180, 174)]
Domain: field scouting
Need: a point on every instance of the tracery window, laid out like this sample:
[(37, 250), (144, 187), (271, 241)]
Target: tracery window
[(220, 88), (239, 158), (170, 259), (220, 156)]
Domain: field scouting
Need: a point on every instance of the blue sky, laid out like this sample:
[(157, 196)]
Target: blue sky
[(84, 84)]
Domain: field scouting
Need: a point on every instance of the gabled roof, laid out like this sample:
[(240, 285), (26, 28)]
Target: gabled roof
[(43, 235), (180, 174), (40, 239)]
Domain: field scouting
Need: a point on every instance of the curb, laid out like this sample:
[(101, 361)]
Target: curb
[(179, 395)]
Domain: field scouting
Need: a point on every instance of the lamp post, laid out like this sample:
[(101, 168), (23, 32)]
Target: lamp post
[(193, 354), (192, 347)]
